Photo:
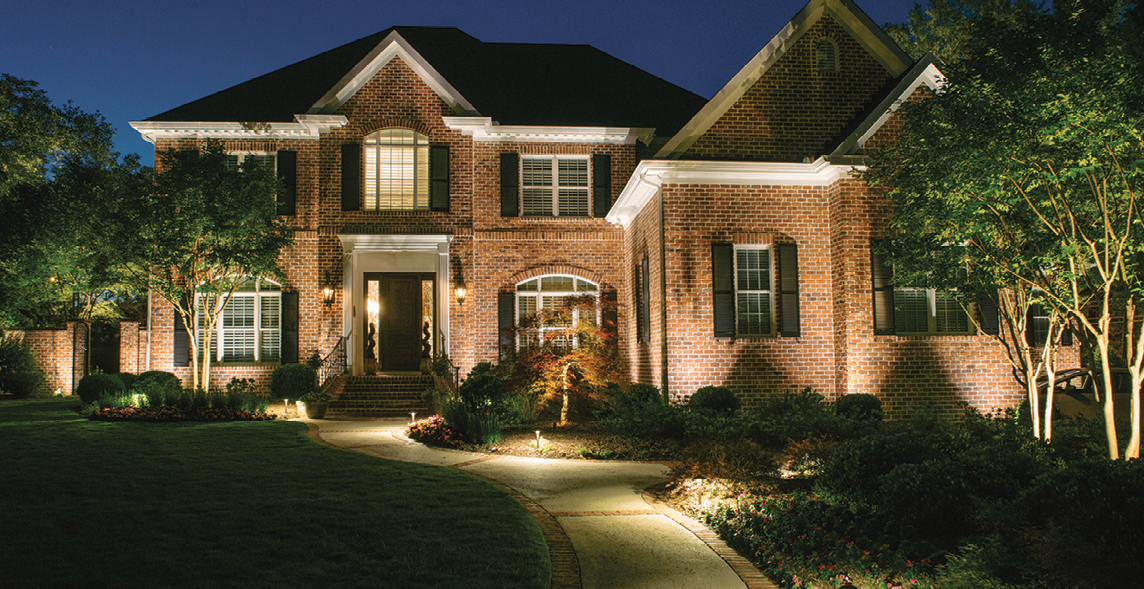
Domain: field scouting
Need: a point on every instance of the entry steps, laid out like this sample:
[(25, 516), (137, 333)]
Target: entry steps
[(381, 395)]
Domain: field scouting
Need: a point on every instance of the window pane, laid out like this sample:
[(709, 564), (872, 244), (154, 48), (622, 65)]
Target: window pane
[(271, 345), (258, 161), (531, 285), (573, 202), (754, 269), (239, 312), (396, 170), (911, 310), (754, 314), (536, 172), (537, 202), (557, 283), (238, 346), (951, 318), (271, 310), (573, 173)]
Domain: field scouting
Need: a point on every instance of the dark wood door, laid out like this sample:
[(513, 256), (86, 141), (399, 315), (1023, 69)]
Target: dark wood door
[(399, 329)]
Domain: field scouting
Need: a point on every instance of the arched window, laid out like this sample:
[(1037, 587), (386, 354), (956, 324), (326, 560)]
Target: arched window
[(826, 56), (249, 329), (549, 307), (396, 171)]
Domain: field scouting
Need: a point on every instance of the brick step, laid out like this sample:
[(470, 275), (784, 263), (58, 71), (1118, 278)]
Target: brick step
[(332, 413)]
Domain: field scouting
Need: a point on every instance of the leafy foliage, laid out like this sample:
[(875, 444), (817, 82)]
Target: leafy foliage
[(292, 381), (93, 386), (474, 412), (860, 407), (19, 374), (720, 400)]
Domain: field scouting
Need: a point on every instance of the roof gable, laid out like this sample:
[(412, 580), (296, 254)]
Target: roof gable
[(852, 20), (926, 72), (511, 83)]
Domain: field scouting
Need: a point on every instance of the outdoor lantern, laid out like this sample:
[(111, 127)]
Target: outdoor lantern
[(328, 291), (461, 294)]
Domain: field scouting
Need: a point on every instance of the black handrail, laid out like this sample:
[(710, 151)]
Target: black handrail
[(334, 364)]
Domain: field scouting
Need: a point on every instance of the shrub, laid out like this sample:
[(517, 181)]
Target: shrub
[(127, 378), (92, 386), (160, 379), (645, 393), (647, 418), (715, 399), (795, 416), (474, 412), (19, 374), (433, 430), (240, 386), (292, 381), (859, 407)]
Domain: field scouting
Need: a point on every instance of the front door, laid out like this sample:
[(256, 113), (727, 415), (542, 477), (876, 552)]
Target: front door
[(396, 305)]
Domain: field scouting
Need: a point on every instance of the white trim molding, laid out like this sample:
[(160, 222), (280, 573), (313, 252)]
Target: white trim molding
[(391, 242), (486, 130), (925, 71), (651, 175), (393, 46), (303, 127)]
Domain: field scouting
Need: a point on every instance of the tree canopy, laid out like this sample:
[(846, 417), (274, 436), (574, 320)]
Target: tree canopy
[(1030, 156)]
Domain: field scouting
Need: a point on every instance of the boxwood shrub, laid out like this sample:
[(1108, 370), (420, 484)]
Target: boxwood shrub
[(92, 386)]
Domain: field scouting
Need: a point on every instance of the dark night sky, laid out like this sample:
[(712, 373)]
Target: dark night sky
[(131, 59)]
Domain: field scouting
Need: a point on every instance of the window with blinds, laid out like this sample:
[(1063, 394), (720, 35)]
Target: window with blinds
[(554, 186), (396, 171), (546, 298), (246, 161), (249, 329), (921, 311), (753, 291)]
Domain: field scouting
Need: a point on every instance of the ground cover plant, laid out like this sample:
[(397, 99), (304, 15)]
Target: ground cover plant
[(241, 504)]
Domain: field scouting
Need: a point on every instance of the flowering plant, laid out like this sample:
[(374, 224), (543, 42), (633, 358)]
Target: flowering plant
[(433, 430)]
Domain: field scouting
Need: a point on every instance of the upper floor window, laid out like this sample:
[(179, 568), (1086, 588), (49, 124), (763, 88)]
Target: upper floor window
[(755, 290), (549, 308), (554, 186), (244, 161), (826, 56), (396, 171), (249, 329)]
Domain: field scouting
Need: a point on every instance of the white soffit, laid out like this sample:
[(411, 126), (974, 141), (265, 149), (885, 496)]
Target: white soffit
[(925, 71), (852, 19), (358, 242), (486, 130), (394, 45), (303, 127), (650, 175)]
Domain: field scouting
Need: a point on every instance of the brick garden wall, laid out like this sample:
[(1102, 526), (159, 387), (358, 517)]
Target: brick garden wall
[(54, 352)]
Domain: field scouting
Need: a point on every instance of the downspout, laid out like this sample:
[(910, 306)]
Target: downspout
[(149, 329), (663, 364)]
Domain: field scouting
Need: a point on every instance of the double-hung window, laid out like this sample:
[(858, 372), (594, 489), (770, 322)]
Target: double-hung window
[(755, 290), (915, 310), (554, 186), (396, 171), (753, 300), (249, 329), (550, 307), (245, 161)]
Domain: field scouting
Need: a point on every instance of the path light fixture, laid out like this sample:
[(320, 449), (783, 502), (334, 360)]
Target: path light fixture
[(412, 417), (328, 291)]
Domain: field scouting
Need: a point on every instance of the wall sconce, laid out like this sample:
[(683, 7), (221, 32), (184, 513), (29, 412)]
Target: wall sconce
[(328, 291), (461, 294)]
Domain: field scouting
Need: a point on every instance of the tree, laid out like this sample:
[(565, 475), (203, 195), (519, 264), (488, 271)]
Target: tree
[(1031, 156), (568, 358), (56, 169), (203, 231)]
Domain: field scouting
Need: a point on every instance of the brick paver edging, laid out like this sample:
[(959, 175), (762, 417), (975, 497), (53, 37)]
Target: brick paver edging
[(752, 577)]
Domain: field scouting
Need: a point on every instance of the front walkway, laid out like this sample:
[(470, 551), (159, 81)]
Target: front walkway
[(603, 531)]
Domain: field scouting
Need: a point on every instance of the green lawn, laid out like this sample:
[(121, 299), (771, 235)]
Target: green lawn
[(246, 504)]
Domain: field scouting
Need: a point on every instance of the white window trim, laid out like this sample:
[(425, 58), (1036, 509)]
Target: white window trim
[(539, 294), (220, 334), (555, 185), (419, 147), (772, 327)]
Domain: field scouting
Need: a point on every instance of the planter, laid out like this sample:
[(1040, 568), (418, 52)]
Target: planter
[(316, 410)]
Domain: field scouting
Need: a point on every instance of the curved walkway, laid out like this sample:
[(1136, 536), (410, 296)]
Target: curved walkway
[(603, 531)]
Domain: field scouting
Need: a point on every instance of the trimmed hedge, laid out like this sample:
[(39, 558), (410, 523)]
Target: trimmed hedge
[(93, 386)]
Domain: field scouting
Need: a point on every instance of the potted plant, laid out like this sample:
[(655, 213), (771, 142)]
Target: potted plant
[(314, 403)]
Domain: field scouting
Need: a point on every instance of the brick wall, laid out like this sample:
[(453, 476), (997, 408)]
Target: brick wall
[(793, 111), (54, 352)]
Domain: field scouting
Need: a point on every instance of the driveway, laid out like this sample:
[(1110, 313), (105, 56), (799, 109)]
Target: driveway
[(603, 531)]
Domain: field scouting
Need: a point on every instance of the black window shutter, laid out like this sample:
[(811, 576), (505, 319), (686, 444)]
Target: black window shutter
[(351, 176), (788, 289), (1034, 337), (182, 341), (883, 295), (1066, 337), (643, 303), (611, 314), (988, 316), (439, 178), (509, 184), (601, 184), (288, 173), (506, 320), (289, 327), (723, 289)]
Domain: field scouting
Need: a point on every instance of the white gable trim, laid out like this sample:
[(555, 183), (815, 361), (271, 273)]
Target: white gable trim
[(393, 46), (303, 127), (852, 19), (925, 71), (650, 175), (486, 130)]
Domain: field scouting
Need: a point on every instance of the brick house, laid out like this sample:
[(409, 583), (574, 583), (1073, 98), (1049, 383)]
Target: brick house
[(441, 187)]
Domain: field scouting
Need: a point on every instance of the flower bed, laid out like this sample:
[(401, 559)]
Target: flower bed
[(168, 413)]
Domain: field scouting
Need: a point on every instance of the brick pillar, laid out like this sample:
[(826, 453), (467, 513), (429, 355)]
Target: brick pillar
[(129, 338)]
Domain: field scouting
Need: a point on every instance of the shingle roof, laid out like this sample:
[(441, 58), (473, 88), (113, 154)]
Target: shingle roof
[(512, 83)]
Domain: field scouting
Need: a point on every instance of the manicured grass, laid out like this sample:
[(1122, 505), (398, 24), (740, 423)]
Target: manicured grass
[(242, 504)]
